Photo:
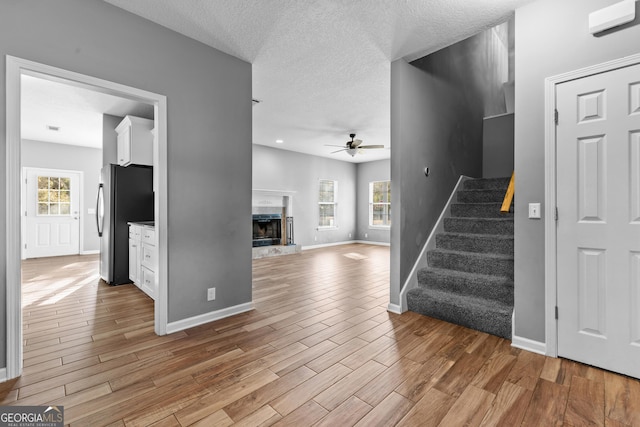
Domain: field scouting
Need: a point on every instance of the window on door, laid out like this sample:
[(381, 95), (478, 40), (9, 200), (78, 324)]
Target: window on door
[(380, 204), (54, 196), (327, 204)]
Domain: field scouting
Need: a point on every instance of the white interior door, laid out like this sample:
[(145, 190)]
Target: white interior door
[(598, 234), (52, 208)]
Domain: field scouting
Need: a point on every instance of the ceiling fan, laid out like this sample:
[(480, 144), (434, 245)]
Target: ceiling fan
[(354, 146)]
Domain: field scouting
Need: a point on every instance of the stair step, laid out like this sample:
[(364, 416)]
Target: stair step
[(478, 210), (487, 183), (479, 285), (471, 262), (476, 313), (485, 243), (502, 225), (480, 196)]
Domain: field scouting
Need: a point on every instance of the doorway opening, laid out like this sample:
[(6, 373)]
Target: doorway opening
[(16, 69)]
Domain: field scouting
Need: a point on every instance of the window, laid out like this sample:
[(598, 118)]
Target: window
[(54, 195), (380, 204), (327, 203)]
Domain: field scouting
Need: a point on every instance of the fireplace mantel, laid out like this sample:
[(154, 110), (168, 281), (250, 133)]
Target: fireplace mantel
[(261, 198)]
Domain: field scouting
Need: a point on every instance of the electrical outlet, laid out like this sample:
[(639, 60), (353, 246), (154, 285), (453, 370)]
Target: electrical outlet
[(366, 235), (211, 294), (349, 235), (315, 238)]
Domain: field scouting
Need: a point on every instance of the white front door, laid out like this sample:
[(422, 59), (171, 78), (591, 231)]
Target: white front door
[(598, 234), (52, 208)]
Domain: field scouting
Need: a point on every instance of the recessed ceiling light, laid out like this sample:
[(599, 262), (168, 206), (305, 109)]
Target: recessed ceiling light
[(279, 141), (53, 128)]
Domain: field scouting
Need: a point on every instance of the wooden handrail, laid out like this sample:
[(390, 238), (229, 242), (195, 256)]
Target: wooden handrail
[(508, 196)]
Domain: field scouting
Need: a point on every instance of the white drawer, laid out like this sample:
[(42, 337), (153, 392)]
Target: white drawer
[(148, 256), (135, 232), (149, 282), (149, 236)]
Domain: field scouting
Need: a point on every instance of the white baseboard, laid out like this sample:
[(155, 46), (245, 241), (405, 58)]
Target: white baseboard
[(529, 345), (346, 242), (201, 319), (3, 375), (94, 252), (326, 245), (394, 308), (368, 242)]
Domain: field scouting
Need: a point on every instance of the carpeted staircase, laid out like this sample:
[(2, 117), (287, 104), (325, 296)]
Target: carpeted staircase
[(469, 280)]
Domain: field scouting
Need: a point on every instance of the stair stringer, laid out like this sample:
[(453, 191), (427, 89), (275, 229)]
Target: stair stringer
[(430, 244)]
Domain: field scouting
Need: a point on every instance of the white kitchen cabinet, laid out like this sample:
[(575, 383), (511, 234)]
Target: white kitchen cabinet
[(134, 255), (135, 141), (142, 257)]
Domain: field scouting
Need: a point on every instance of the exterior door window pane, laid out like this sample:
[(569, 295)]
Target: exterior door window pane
[(54, 196)]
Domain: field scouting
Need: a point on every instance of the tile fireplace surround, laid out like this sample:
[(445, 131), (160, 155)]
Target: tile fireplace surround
[(274, 202)]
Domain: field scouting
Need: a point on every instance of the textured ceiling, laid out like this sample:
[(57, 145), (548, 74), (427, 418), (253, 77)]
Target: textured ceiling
[(75, 111), (321, 68)]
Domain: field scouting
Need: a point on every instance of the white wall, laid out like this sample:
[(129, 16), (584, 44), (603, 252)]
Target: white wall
[(367, 172), (275, 169), (552, 38), (38, 154), (209, 135)]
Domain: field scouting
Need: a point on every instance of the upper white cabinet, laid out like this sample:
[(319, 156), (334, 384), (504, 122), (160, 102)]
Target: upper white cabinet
[(135, 141)]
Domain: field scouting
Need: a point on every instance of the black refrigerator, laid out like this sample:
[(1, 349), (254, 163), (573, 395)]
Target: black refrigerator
[(125, 194)]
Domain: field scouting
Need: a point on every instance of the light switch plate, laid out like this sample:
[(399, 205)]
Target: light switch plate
[(534, 210)]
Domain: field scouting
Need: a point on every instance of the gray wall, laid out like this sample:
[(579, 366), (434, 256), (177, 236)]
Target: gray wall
[(437, 108), (275, 169), (367, 172), (497, 146), (209, 134), (552, 37), (38, 154)]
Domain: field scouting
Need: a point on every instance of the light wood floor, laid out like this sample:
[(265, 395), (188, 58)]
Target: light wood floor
[(319, 349)]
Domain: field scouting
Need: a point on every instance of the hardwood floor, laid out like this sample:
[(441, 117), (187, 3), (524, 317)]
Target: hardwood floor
[(319, 349)]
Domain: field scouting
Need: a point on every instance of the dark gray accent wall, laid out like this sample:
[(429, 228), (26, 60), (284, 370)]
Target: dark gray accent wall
[(437, 108), (209, 134), (38, 154), (426, 131), (497, 146), (552, 38), (476, 69), (367, 172), (275, 169)]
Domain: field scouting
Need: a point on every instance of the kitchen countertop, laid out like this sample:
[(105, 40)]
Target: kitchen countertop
[(148, 224)]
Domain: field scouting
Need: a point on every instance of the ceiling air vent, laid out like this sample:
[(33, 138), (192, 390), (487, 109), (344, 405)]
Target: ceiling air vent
[(255, 101), (53, 128)]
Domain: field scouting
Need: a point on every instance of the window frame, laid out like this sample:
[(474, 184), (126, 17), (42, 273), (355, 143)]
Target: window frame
[(334, 203), (387, 204)]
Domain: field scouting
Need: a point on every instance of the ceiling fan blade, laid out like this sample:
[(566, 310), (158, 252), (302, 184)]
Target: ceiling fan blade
[(331, 145), (356, 142), (371, 146), (337, 151)]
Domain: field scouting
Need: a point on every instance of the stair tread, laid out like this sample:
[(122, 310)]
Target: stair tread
[(477, 235), (474, 254), (466, 275), (480, 218), (463, 300)]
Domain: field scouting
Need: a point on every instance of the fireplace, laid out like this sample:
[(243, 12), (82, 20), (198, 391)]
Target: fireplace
[(267, 229)]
